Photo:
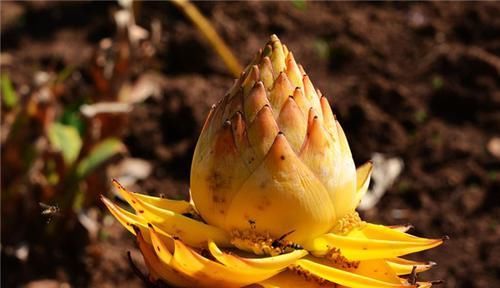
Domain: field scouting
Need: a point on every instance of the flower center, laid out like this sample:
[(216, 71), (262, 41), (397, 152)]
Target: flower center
[(347, 223)]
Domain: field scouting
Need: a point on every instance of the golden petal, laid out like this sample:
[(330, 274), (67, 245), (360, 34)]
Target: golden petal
[(251, 79), (272, 263), (257, 98), (217, 176), (127, 219), (363, 175), (404, 267), (293, 123), (176, 206), (356, 246), (267, 73), (280, 92), (269, 197), (262, 132), (277, 57), (345, 185), (193, 232), (318, 152), (328, 118), (375, 231), (301, 100), (160, 269), (345, 278), (291, 279), (213, 274), (238, 126), (311, 95), (293, 71)]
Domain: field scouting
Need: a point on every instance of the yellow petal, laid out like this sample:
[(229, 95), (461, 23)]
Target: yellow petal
[(381, 232), (278, 57), (250, 80), (158, 268), (363, 174), (343, 277), (293, 71), (274, 263), (345, 175), (266, 72), (127, 219), (163, 252), (280, 92), (404, 267), (293, 123), (328, 117), (214, 274), (301, 100), (290, 279), (261, 133), (377, 269), (272, 196), (356, 246), (312, 96), (176, 206), (195, 233), (255, 101), (217, 174)]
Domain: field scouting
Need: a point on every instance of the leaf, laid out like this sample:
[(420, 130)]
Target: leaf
[(9, 95), (299, 4), (65, 73), (98, 155), (71, 116), (322, 48), (66, 139)]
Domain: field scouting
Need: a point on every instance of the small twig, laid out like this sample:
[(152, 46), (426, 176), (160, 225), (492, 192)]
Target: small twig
[(412, 279), (209, 32)]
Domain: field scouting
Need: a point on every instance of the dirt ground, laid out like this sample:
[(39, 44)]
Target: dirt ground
[(419, 81)]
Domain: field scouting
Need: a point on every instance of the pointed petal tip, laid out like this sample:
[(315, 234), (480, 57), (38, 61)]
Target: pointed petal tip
[(253, 75), (255, 100), (117, 184), (280, 142), (105, 200), (259, 84)]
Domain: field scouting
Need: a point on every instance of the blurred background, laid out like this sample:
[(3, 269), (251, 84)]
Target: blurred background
[(98, 90)]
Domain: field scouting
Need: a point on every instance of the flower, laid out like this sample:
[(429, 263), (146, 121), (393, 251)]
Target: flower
[(274, 190)]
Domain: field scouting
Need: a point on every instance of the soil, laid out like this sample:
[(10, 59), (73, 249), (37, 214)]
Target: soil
[(419, 81)]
